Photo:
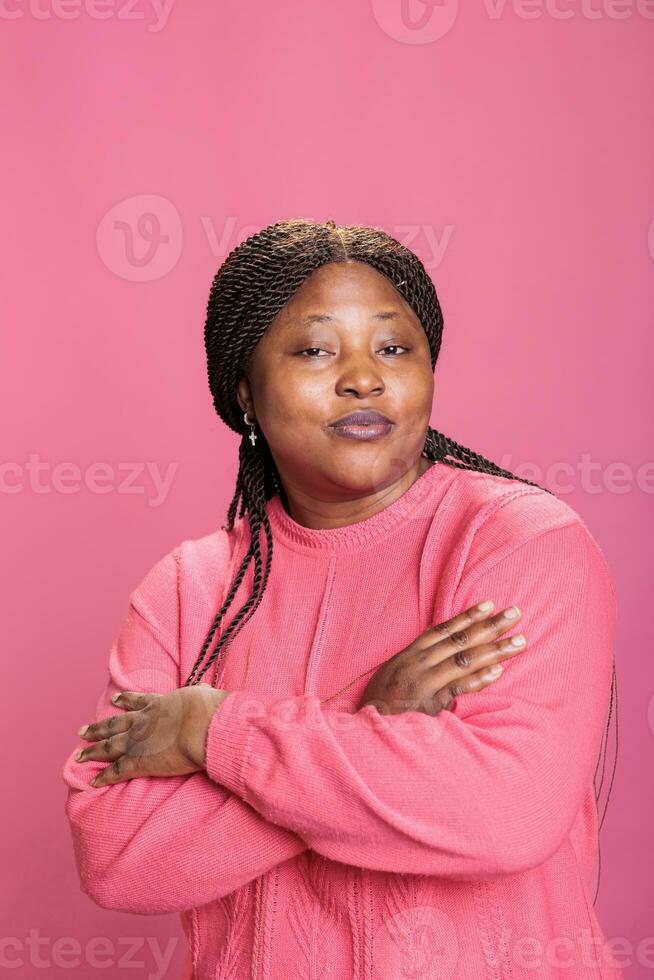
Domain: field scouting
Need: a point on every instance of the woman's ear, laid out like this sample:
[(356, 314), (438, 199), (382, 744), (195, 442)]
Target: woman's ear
[(244, 395)]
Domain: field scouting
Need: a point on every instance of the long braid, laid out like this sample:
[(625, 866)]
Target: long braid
[(256, 280), (438, 447), (250, 488)]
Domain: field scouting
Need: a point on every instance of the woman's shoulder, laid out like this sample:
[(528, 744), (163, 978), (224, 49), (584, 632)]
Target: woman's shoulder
[(498, 514), (209, 553), (485, 498), (192, 561)]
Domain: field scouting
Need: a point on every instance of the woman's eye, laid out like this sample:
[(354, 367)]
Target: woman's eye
[(388, 347)]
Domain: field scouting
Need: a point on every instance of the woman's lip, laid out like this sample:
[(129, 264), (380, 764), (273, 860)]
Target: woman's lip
[(373, 430)]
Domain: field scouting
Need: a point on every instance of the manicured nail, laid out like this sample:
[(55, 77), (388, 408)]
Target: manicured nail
[(512, 612), (495, 670), (518, 640), (116, 697), (83, 730), (94, 781), (79, 756), (485, 606)]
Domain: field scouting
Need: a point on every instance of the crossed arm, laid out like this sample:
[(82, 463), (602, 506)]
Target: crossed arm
[(154, 845), (491, 787)]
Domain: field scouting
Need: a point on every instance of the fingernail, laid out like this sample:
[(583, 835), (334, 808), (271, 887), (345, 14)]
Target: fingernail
[(495, 670), (79, 756), (512, 612), (115, 697), (518, 640), (485, 606), (83, 730), (93, 781)]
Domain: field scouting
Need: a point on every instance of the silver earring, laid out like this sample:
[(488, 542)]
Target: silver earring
[(253, 435)]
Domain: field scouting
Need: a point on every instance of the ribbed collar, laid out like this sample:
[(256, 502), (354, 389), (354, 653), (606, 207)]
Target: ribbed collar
[(287, 530)]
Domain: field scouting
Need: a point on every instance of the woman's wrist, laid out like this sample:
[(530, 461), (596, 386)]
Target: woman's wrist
[(209, 700)]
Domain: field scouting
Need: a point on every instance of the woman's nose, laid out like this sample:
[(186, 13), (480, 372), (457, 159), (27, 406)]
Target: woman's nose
[(361, 377)]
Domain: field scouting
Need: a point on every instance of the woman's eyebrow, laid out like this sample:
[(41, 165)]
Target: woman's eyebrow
[(327, 318)]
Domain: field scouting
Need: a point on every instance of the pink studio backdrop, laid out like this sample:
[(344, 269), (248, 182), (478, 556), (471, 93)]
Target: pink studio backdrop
[(509, 145)]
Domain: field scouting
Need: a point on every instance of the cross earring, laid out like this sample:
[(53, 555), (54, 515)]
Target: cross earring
[(252, 436)]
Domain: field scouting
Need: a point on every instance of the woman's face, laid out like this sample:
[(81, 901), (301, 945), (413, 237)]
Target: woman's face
[(346, 341)]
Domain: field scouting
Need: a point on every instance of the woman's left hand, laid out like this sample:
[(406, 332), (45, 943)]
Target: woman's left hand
[(158, 735)]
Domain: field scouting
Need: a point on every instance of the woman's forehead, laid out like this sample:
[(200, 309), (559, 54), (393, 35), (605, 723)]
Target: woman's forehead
[(336, 290)]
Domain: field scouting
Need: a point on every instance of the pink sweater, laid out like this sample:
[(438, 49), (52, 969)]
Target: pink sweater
[(323, 842)]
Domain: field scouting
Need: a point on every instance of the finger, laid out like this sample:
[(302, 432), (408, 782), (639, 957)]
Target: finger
[(106, 727), (468, 662), (119, 771), (476, 681), (134, 700), (131, 701), (441, 631), (106, 750), (472, 635)]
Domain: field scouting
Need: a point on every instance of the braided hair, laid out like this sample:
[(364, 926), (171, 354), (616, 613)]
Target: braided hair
[(251, 287)]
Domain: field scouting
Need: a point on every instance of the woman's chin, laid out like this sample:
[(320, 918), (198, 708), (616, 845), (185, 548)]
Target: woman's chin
[(365, 475)]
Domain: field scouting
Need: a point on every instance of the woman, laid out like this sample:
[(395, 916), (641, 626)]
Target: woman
[(351, 792)]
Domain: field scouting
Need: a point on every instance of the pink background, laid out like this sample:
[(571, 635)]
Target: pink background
[(510, 146)]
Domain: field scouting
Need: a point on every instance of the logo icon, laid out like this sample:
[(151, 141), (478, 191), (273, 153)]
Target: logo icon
[(415, 21), (140, 238)]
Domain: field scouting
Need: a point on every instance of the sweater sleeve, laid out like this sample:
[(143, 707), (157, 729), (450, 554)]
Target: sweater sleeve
[(489, 788), (161, 844)]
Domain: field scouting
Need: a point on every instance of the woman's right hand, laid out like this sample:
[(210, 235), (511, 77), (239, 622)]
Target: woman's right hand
[(446, 660)]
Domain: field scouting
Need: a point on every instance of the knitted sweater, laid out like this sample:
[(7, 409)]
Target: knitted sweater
[(326, 842)]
